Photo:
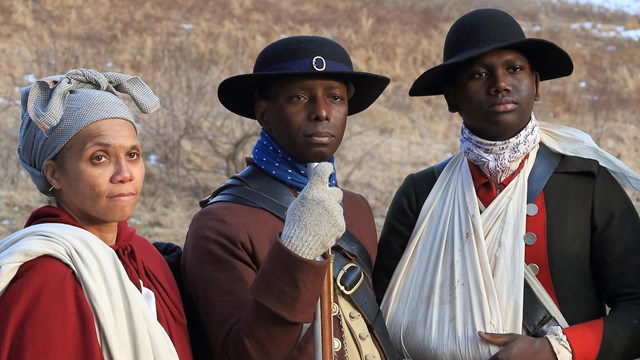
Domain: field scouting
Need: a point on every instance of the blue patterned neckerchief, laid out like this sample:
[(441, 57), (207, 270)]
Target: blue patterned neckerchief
[(275, 161)]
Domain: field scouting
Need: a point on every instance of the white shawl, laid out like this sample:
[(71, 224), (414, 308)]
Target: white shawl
[(124, 323), (569, 141), (462, 270)]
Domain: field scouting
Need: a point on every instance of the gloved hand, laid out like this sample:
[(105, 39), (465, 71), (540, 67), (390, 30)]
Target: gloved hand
[(315, 219)]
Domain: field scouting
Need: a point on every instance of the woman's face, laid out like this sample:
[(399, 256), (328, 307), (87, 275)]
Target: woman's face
[(98, 174)]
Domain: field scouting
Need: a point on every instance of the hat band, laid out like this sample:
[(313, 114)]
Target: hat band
[(318, 64)]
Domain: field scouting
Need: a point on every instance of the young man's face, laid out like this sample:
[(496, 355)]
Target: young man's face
[(494, 93), (306, 116)]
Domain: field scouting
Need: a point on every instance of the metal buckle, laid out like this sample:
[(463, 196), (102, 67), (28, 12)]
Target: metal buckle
[(342, 272)]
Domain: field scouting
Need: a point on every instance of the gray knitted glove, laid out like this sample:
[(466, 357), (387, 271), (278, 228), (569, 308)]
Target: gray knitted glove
[(315, 219)]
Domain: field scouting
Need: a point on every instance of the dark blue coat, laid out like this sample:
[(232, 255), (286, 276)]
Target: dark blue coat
[(593, 248)]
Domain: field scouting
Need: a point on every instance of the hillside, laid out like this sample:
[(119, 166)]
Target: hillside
[(183, 49)]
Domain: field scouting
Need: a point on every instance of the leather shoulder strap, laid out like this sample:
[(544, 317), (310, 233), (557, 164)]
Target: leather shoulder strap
[(248, 196), (536, 318), (546, 162), (348, 245), (439, 167), (254, 179), (253, 187), (353, 281)]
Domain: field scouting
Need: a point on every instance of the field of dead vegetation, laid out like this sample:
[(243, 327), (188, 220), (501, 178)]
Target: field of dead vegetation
[(183, 49)]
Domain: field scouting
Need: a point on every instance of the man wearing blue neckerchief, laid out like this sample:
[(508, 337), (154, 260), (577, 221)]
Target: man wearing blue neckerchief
[(254, 274)]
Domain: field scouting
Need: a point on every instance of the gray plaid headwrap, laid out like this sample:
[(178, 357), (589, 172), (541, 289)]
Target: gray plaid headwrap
[(56, 108)]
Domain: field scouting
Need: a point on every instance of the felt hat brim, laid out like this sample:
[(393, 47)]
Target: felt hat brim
[(547, 58), (481, 31), (238, 93)]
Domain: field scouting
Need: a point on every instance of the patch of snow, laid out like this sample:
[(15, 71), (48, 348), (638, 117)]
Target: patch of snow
[(608, 31), (30, 78), (628, 6)]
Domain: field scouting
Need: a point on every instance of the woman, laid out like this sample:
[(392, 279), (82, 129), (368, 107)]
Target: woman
[(77, 282)]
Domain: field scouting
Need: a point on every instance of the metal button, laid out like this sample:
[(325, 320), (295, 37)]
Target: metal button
[(337, 345), (535, 269), (354, 314), (363, 336), (530, 238), (532, 209)]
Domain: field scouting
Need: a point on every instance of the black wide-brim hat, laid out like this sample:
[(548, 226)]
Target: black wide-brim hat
[(484, 30), (300, 56)]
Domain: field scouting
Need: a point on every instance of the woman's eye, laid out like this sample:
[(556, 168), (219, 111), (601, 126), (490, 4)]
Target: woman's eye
[(99, 158)]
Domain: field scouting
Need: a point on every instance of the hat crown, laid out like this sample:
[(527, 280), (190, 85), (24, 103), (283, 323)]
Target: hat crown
[(481, 29), (300, 53)]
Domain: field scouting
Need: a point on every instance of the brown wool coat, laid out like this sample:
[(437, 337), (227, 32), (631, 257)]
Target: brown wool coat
[(250, 292)]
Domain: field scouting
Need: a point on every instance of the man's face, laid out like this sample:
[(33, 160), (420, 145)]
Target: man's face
[(306, 116), (494, 93)]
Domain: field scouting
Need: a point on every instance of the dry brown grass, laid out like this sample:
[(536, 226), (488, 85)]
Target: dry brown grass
[(183, 49)]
